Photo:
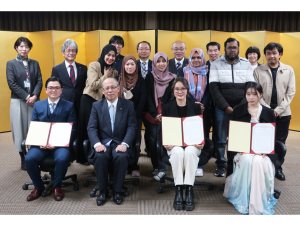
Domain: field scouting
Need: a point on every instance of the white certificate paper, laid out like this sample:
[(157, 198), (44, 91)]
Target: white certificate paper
[(60, 134), (263, 136), (193, 130)]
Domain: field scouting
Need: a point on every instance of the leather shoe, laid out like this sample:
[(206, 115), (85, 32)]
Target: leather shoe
[(118, 198), (58, 194), (280, 175), (35, 193), (101, 199)]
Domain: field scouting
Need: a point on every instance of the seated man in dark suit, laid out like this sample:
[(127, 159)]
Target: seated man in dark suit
[(177, 64), (111, 131), (52, 109)]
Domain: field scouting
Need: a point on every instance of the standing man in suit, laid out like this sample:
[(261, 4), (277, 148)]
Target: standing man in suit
[(177, 64), (72, 74), (144, 63), (52, 109), (118, 42), (111, 130)]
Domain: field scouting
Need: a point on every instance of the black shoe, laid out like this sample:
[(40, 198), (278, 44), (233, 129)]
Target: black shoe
[(189, 198), (23, 165), (118, 198), (280, 175), (220, 172), (277, 194), (178, 200), (101, 199)]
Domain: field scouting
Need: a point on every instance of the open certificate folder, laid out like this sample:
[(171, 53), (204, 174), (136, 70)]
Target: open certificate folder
[(43, 133), (182, 131), (251, 137)]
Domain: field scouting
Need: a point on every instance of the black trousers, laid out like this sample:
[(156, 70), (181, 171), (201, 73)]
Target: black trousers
[(117, 161)]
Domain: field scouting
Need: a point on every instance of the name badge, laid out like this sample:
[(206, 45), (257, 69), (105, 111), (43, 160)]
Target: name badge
[(27, 83)]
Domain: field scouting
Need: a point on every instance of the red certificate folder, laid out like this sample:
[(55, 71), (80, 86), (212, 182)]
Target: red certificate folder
[(43, 133), (257, 138), (182, 131)]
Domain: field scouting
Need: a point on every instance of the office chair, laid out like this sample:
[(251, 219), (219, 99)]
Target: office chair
[(92, 179), (47, 165)]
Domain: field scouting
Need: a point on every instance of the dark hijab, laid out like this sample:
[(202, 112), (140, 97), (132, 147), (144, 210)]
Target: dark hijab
[(106, 49)]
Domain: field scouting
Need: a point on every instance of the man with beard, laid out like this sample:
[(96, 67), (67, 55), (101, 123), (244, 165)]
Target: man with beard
[(228, 76)]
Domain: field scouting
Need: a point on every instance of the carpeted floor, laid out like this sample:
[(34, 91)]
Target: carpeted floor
[(143, 196)]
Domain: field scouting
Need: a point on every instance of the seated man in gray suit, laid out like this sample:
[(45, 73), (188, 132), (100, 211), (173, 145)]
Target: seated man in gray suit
[(111, 130)]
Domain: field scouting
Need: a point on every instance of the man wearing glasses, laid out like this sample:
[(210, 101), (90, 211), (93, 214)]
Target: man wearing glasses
[(111, 130), (177, 64), (72, 74), (52, 109), (144, 63)]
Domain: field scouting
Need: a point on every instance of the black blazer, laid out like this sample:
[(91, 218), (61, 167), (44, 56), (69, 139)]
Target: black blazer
[(140, 66), (240, 113), (16, 75), (172, 67), (150, 103), (99, 126), (118, 64), (70, 92), (139, 97), (170, 109)]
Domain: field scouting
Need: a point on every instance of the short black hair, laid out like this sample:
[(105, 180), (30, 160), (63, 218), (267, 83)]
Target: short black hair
[(274, 45), (146, 42), (229, 40), (183, 81), (253, 85), (50, 79), (23, 39), (116, 39), (213, 43), (253, 49)]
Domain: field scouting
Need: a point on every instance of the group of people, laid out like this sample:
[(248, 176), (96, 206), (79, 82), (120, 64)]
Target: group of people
[(115, 95)]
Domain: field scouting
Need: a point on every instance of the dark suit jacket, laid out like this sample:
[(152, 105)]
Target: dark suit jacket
[(170, 109), (63, 112), (140, 66), (118, 64), (70, 92), (16, 75), (172, 67), (99, 126)]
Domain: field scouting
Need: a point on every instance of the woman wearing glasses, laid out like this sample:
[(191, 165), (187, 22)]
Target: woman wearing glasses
[(184, 160)]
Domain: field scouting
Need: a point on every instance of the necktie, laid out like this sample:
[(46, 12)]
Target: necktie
[(52, 107), (144, 70), (178, 65), (112, 116), (72, 74)]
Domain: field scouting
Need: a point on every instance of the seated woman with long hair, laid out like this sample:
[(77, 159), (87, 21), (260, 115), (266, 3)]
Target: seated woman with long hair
[(250, 188)]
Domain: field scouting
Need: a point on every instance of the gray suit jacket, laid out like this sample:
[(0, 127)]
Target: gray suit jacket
[(16, 75)]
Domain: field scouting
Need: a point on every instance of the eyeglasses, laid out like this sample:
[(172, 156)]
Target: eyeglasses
[(180, 89), (110, 87), (178, 49), (54, 88), (196, 57), (68, 51), (144, 49)]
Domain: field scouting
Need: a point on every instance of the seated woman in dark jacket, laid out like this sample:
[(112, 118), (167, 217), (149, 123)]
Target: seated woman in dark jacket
[(250, 187), (184, 160)]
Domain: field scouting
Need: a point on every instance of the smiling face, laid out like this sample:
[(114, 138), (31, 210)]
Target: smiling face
[(213, 52), (178, 49), (23, 50), (196, 60), (130, 66), (110, 58), (180, 91), (53, 90), (70, 54), (144, 51), (252, 57), (111, 89), (273, 57), (161, 64)]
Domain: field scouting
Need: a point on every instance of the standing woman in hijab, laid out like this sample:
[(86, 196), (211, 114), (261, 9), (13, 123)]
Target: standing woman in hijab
[(195, 74), (159, 92), (97, 72), (24, 79), (132, 87)]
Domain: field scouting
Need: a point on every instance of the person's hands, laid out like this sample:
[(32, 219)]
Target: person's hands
[(108, 72), (158, 118), (100, 148), (31, 100), (276, 114), (169, 147), (121, 148), (48, 146), (199, 146), (229, 110), (201, 106)]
